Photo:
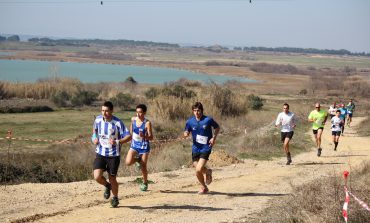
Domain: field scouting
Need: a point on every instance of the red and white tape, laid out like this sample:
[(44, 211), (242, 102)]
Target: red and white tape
[(346, 200), (72, 141), (345, 205), (363, 204)]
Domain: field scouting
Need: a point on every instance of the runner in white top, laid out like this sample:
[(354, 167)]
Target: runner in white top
[(288, 121), (332, 110), (336, 128)]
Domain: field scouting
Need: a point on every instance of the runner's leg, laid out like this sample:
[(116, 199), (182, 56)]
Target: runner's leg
[(144, 169), (98, 176), (130, 158), (114, 183)]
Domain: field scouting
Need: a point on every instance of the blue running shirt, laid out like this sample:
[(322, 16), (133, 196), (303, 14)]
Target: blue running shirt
[(201, 132), (343, 113), (137, 142), (114, 129)]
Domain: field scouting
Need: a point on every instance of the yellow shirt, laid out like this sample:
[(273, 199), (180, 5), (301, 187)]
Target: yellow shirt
[(318, 118)]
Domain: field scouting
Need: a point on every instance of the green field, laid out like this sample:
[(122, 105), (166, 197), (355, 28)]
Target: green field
[(57, 125)]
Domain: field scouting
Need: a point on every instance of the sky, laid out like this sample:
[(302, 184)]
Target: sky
[(322, 24)]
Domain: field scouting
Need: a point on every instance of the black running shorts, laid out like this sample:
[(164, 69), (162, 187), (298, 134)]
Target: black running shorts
[(197, 156), (335, 133), (315, 130), (106, 163), (286, 135)]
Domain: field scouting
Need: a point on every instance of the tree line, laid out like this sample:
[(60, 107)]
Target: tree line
[(302, 50)]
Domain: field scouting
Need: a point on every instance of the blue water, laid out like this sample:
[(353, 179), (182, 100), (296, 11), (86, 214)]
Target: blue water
[(31, 71), (2, 53)]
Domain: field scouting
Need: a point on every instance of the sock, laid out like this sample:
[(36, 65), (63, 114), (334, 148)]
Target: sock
[(336, 144), (288, 156), (108, 185)]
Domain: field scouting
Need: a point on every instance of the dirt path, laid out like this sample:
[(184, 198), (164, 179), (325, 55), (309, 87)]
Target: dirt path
[(237, 191)]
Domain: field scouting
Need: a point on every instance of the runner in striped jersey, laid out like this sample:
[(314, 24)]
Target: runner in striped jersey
[(109, 133), (141, 130)]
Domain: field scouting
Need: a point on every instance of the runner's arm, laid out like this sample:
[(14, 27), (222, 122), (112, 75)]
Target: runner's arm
[(148, 126), (278, 121)]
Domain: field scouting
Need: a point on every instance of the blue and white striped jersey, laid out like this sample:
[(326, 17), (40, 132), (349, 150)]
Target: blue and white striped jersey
[(137, 142), (114, 129)]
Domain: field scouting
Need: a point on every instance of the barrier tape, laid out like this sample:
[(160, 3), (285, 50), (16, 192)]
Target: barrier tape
[(73, 141), (63, 141), (363, 204), (346, 200), (345, 205)]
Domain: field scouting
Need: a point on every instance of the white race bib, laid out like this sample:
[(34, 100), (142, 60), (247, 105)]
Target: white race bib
[(104, 142), (201, 139), (136, 137)]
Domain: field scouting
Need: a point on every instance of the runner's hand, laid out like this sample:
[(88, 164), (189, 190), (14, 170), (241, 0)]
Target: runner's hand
[(212, 142)]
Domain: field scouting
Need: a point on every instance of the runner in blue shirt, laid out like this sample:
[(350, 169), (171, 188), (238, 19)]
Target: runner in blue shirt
[(200, 126), (141, 131), (109, 133), (350, 109), (343, 115)]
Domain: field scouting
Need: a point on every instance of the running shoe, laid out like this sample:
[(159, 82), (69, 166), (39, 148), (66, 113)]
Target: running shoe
[(209, 176), (203, 190), (144, 186), (289, 159), (137, 166), (319, 152), (137, 163), (114, 202), (108, 188)]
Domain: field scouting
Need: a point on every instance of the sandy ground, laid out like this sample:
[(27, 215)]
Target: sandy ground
[(237, 192)]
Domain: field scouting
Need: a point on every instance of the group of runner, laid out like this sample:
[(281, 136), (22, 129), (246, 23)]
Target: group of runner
[(109, 133), (338, 114)]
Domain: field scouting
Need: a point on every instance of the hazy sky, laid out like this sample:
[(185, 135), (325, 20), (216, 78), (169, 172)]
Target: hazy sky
[(323, 24)]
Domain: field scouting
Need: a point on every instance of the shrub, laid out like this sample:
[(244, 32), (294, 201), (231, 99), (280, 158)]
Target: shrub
[(152, 93), (124, 101), (255, 102), (176, 90), (60, 98), (84, 98), (303, 92), (130, 80), (25, 109)]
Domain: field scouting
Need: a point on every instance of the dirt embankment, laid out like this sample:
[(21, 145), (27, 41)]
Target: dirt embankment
[(238, 190)]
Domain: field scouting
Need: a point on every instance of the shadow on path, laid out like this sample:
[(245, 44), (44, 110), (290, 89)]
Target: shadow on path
[(316, 163), (176, 207), (343, 155), (226, 194)]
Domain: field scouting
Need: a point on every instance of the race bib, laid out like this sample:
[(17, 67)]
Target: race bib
[(319, 121), (136, 137), (104, 142), (201, 139)]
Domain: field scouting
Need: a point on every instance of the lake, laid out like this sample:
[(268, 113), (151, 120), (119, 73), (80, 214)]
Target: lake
[(31, 71)]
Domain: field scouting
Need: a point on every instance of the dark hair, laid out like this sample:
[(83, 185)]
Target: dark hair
[(108, 104), (197, 105), (286, 104), (338, 111), (142, 106)]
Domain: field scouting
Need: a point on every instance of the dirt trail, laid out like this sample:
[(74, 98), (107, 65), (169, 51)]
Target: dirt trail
[(238, 190)]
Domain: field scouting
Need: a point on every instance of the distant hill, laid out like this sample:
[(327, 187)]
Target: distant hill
[(54, 41)]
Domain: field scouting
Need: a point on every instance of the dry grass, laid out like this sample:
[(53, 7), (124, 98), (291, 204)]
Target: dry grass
[(322, 201)]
